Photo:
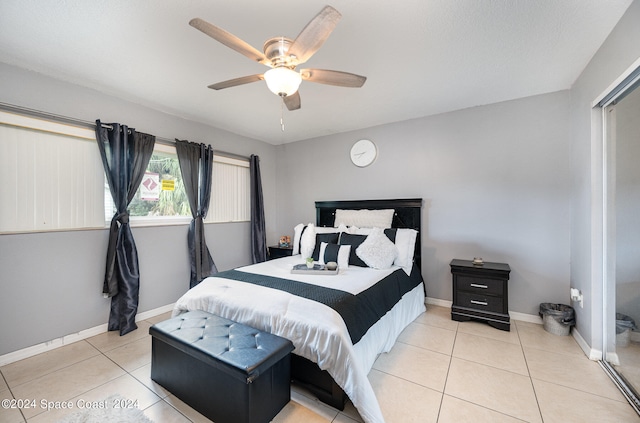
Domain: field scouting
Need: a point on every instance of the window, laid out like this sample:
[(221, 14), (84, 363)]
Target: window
[(53, 179), (51, 176), (161, 198)]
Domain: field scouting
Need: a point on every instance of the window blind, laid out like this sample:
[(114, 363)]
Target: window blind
[(51, 175), (230, 197)]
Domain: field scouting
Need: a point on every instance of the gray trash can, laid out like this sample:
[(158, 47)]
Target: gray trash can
[(624, 326), (557, 318)]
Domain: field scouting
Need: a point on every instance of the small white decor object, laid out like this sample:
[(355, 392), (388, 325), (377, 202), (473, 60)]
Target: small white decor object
[(363, 153)]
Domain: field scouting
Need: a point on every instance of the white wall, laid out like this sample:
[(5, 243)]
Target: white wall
[(52, 282), (618, 52), (495, 182)]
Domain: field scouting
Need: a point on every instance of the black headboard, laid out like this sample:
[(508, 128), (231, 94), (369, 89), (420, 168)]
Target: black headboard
[(408, 214)]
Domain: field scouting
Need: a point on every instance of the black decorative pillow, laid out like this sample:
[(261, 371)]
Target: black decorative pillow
[(331, 253), (330, 238), (354, 241), (391, 233)]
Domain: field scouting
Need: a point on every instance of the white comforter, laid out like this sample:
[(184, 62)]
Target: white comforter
[(317, 331)]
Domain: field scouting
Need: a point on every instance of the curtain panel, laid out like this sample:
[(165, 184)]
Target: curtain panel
[(196, 167), (125, 155), (258, 233)]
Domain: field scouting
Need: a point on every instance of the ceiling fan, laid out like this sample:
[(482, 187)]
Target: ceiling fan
[(283, 55)]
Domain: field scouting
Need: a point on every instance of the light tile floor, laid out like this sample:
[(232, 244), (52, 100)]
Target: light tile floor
[(438, 371)]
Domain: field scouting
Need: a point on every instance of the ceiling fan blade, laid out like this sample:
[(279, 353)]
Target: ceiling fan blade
[(236, 81), (229, 40), (315, 34), (292, 101), (331, 77)]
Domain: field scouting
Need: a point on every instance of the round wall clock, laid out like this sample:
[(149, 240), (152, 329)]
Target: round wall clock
[(363, 153)]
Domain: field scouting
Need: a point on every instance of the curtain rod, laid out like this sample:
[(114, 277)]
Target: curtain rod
[(91, 125)]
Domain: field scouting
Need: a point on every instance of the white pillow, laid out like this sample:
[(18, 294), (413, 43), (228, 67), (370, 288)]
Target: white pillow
[(377, 250), (343, 255), (360, 231), (364, 218), (308, 241), (326, 230), (405, 242)]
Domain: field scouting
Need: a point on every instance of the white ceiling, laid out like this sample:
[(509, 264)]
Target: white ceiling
[(421, 57)]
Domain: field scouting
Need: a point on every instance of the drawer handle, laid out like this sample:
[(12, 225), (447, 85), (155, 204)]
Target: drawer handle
[(475, 285), (482, 303)]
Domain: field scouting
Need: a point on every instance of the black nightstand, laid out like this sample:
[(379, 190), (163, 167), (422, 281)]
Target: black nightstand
[(480, 293), (276, 251)]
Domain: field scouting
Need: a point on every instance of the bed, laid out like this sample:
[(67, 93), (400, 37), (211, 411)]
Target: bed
[(338, 324)]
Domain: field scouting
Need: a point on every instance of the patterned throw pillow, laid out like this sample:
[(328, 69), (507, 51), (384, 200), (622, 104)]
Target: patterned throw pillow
[(336, 253), (377, 250)]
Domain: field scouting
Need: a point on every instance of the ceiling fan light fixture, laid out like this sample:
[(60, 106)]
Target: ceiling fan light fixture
[(282, 81)]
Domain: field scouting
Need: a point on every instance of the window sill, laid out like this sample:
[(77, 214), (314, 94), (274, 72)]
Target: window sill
[(171, 221)]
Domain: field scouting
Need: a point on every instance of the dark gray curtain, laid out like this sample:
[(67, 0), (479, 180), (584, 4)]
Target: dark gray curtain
[(125, 155), (196, 166), (258, 233)]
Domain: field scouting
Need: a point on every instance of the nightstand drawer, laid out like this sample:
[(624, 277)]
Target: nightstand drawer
[(480, 302), (479, 286), (278, 252)]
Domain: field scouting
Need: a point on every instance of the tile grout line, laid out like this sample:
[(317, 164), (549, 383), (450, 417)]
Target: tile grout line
[(129, 374), (533, 387), (573, 388), (497, 368), (161, 398), (500, 369), (12, 394), (56, 370), (446, 379)]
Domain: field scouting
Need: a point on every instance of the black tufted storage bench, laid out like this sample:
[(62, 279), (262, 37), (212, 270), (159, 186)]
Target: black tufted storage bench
[(229, 372)]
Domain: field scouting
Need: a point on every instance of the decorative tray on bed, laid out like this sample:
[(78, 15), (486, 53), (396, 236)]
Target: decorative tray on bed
[(318, 269)]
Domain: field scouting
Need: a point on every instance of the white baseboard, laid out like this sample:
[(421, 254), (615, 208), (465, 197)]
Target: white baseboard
[(73, 337), (438, 302), (153, 313), (524, 317), (592, 353)]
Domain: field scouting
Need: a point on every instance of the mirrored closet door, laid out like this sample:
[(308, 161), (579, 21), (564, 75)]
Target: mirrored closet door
[(622, 281)]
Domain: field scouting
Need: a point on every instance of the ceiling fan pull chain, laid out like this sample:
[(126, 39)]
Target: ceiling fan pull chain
[(282, 113)]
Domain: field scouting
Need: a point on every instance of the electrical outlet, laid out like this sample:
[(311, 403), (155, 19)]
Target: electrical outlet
[(576, 296)]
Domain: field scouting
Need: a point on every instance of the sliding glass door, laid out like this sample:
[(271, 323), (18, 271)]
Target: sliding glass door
[(622, 236)]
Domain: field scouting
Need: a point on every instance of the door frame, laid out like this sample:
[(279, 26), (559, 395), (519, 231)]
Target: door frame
[(604, 218)]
